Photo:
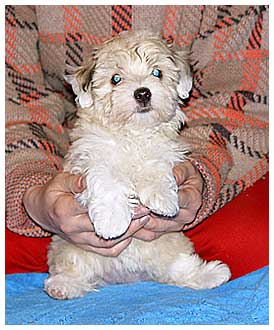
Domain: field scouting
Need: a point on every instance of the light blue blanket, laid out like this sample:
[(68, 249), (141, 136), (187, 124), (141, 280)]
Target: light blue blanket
[(242, 301)]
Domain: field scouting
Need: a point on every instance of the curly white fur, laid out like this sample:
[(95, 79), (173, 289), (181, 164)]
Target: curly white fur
[(127, 152)]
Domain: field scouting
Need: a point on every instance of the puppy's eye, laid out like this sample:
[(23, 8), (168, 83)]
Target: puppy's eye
[(157, 73), (115, 79)]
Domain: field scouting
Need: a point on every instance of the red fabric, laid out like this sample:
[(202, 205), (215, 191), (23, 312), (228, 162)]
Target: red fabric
[(237, 234), (25, 254)]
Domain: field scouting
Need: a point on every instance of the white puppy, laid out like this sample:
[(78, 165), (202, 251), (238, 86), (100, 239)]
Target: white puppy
[(126, 142)]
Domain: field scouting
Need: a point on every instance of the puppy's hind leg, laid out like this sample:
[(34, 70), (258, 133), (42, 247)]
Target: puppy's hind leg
[(193, 272), (175, 262), (71, 271), (67, 286)]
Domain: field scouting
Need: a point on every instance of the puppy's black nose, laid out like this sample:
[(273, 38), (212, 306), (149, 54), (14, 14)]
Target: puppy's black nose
[(142, 95)]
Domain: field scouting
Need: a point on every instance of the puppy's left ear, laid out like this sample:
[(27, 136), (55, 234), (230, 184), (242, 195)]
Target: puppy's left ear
[(185, 78), (80, 80)]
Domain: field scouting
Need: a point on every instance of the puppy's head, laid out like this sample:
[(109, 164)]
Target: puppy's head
[(134, 78)]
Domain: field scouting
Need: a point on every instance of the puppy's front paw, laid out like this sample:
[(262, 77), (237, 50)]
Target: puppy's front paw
[(161, 201), (111, 221)]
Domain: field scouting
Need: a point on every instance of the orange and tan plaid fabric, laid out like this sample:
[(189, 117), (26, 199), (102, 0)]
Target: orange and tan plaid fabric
[(227, 112)]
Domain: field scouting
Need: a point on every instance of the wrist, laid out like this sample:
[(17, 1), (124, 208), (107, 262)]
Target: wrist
[(18, 182), (211, 189)]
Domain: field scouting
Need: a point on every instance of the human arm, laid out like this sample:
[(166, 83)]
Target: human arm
[(36, 141), (227, 123)]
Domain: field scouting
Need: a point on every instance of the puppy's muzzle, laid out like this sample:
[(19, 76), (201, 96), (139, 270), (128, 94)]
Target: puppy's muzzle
[(142, 96)]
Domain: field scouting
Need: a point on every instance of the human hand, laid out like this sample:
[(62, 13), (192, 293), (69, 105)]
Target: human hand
[(190, 183), (53, 207)]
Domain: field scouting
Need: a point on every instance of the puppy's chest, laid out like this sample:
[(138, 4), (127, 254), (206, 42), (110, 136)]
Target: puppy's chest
[(127, 151), (134, 149)]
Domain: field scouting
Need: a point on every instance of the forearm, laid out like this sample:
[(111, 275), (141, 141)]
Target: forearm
[(227, 113), (35, 139), (25, 169), (227, 173)]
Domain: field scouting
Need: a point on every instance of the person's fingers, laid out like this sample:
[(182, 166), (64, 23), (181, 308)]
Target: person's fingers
[(90, 238), (194, 181), (185, 216), (136, 225), (146, 235), (181, 173), (187, 175), (160, 225), (108, 252), (189, 197), (156, 224)]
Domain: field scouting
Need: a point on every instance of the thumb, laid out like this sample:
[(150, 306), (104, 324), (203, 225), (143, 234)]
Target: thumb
[(74, 183), (180, 172), (78, 184)]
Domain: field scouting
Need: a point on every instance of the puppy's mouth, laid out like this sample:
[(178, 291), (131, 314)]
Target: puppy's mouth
[(143, 109)]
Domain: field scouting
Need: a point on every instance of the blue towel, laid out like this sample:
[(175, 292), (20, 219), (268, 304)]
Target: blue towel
[(242, 301)]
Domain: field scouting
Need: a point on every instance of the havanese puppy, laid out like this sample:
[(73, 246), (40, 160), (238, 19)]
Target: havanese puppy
[(126, 143)]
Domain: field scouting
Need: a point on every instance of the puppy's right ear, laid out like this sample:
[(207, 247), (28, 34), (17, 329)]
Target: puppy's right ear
[(80, 80)]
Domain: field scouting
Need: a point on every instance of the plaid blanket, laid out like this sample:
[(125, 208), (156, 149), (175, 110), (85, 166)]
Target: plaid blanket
[(227, 112)]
